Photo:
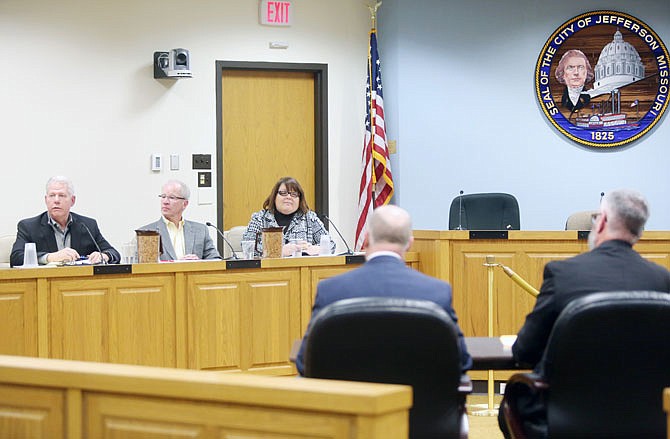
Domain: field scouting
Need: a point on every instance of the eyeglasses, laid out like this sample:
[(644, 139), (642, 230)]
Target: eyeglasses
[(579, 68), (170, 198), (293, 194), (594, 217)]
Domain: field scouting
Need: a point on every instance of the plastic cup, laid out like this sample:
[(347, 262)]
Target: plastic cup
[(129, 251), (324, 245), (297, 249), (29, 255), (248, 249)]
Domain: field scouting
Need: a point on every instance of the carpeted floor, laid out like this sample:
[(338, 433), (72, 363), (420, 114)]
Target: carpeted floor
[(482, 427)]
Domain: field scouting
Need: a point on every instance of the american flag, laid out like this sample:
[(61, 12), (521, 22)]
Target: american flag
[(376, 188)]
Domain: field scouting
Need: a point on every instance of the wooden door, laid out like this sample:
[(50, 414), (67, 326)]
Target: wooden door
[(269, 130)]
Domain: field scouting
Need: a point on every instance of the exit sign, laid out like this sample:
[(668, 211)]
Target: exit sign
[(276, 13)]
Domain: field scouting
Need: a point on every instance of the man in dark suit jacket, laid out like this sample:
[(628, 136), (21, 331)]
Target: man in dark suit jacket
[(611, 265), (60, 235), (385, 274)]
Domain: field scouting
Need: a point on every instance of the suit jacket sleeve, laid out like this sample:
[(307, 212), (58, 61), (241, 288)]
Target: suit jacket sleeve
[(209, 250), (533, 336), (23, 235), (466, 359), (105, 247)]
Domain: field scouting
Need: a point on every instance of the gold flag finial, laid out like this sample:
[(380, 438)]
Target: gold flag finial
[(373, 12)]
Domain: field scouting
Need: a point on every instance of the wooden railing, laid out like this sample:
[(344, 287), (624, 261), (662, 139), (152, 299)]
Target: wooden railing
[(42, 398)]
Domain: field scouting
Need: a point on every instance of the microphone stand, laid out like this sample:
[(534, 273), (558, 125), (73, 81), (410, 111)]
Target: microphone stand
[(349, 251), (224, 240), (460, 210), (97, 247)]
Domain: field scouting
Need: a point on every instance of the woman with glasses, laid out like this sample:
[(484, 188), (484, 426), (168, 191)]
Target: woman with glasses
[(286, 207)]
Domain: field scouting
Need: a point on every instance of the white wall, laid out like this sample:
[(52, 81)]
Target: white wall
[(459, 89), (77, 97)]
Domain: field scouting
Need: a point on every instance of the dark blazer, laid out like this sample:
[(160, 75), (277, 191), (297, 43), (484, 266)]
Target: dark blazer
[(584, 99), (384, 276), (612, 266), (196, 240), (38, 230)]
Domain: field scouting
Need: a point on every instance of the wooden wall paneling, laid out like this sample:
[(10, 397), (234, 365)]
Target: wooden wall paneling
[(43, 318), (214, 327), (244, 321), (73, 412), (79, 320), (142, 321), (657, 251), (181, 321), (125, 417), (128, 320), (270, 324), (18, 305), (31, 412)]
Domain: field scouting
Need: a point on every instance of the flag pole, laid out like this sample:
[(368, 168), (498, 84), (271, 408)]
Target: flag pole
[(371, 109), (373, 13)]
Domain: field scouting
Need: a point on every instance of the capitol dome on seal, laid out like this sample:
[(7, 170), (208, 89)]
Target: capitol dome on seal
[(619, 64)]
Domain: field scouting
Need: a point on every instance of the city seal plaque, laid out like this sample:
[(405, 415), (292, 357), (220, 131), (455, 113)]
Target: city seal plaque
[(602, 79)]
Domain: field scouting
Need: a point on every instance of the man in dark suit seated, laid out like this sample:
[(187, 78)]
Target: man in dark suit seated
[(611, 265), (60, 235), (385, 274)]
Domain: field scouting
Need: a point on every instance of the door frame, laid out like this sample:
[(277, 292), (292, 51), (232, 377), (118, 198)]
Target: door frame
[(320, 72)]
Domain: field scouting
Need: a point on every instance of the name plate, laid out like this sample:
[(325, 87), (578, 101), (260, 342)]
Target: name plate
[(113, 269), (354, 259), (243, 263), (488, 234)]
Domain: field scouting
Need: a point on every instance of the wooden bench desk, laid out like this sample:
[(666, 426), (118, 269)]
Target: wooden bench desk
[(43, 398)]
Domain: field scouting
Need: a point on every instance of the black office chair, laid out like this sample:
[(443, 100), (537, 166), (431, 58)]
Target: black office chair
[(398, 341), (607, 363), (488, 211)]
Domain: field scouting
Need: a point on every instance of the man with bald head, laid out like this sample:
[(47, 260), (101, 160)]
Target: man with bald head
[(611, 265), (385, 274)]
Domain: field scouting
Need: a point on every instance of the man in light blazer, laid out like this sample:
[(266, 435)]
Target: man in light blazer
[(385, 274), (181, 239)]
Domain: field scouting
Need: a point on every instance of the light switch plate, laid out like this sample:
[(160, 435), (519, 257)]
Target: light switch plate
[(156, 162), (174, 162)]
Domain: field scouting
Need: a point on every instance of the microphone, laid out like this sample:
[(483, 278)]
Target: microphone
[(349, 251), (97, 247), (224, 239), (602, 194), (460, 210)]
